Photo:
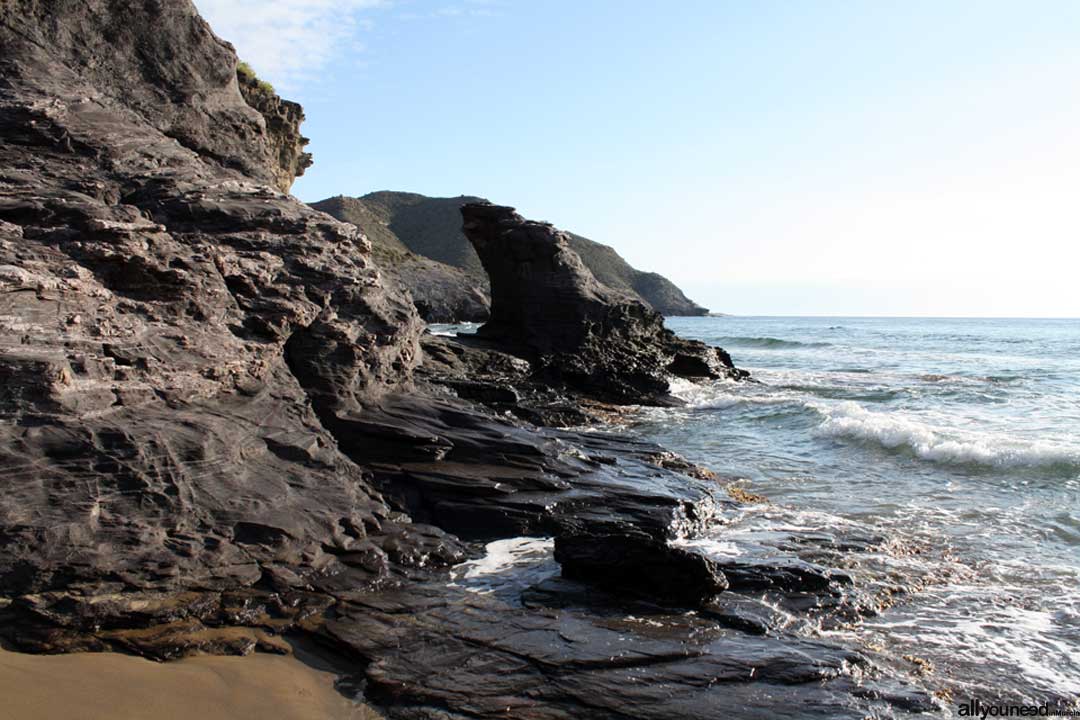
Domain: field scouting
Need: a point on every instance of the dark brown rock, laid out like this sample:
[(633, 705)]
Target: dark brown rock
[(640, 565), (161, 62), (159, 298), (549, 307)]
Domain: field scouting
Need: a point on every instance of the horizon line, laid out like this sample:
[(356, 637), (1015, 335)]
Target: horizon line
[(887, 317)]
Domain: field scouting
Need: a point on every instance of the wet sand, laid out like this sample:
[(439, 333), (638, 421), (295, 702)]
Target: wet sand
[(106, 686)]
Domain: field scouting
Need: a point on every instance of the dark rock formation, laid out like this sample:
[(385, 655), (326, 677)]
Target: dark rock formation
[(640, 565), (187, 352), (559, 650), (404, 225), (214, 429), (166, 319), (548, 306), (177, 77)]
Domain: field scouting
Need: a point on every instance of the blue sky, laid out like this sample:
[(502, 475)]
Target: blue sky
[(876, 158)]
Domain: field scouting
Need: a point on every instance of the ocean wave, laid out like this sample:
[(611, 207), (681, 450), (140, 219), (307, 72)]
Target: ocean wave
[(782, 389), (895, 432), (834, 392), (839, 413), (767, 342)]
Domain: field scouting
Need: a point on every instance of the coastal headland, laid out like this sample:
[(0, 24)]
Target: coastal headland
[(223, 427)]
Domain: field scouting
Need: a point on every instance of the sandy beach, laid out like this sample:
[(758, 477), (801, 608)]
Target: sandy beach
[(107, 686)]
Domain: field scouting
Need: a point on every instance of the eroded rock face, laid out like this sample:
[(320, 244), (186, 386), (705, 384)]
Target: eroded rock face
[(204, 377), (568, 653), (283, 119), (161, 62), (546, 304), (168, 318)]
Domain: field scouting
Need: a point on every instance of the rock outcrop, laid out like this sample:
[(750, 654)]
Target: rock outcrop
[(206, 382), (405, 226), (177, 77), (170, 322), (548, 306), (283, 119)]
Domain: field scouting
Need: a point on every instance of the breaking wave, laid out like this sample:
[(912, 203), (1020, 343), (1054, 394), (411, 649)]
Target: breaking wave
[(849, 420)]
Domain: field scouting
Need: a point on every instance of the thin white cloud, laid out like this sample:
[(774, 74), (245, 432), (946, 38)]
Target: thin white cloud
[(290, 42), (463, 10)]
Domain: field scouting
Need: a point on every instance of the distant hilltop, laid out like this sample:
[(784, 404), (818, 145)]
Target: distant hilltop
[(420, 239)]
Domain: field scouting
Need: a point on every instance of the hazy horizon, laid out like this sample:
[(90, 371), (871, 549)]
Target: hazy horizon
[(770, 159)]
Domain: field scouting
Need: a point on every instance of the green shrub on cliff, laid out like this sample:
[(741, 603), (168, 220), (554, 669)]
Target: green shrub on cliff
[(247, 73)]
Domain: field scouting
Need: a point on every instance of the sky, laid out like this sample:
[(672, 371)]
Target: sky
[(771, 157)]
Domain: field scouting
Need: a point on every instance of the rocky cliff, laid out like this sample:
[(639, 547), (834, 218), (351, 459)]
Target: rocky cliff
[(409, 225), (219, 426), (172, 324)]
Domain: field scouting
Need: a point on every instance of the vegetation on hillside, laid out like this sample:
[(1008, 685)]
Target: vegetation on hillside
[(398, 222), (247, 73)]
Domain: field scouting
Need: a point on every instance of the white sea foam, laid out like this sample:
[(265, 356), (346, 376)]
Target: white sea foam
[(1024, 641), (714, 547), (718, 394), (684, 389), (509, 564), (895, 432), (452, 330), (502, 555)]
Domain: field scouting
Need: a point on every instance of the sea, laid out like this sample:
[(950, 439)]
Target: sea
[(956, 438)]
